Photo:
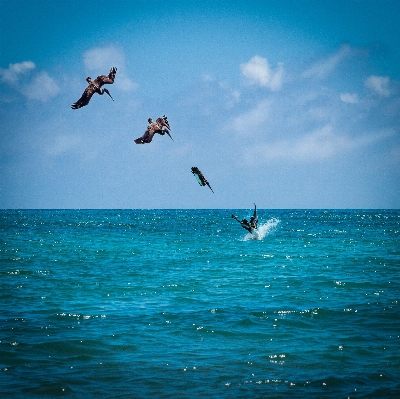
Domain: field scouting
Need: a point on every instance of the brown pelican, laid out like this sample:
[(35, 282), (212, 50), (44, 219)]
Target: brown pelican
[(200, 177), (94, 87), (249, 226), (153, 128)]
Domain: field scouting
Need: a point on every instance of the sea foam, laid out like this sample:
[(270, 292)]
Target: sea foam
[(263, 230)]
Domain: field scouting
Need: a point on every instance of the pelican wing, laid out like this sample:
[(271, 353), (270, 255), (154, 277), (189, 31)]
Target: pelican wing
[(146, 138), (106, 79), (198, 175), (85, 98), (152, 129)]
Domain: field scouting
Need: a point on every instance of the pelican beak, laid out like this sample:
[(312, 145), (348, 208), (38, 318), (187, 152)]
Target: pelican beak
[(106, 91)]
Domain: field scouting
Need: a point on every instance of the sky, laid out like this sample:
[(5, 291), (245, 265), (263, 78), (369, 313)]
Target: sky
[(286, 104)]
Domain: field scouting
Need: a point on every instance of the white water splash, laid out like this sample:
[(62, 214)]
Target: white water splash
[(263, 230)]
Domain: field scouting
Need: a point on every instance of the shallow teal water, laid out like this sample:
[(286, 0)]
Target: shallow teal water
[(185, 303)]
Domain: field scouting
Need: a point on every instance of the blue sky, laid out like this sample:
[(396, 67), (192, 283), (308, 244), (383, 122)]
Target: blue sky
[(288, 104)]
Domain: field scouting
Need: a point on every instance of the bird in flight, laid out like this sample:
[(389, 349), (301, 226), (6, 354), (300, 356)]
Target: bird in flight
[(200, 177), (153, 128), (95, 87)]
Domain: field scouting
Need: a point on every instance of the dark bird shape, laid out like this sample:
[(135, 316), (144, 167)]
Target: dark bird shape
[(200, 177), (94, 87), (153, 128), (251, 225)]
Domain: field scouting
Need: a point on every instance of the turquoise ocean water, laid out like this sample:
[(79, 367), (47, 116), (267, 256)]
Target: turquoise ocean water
[(187, 304)]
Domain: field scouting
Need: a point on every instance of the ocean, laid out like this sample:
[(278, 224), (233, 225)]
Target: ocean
[(187, 304)]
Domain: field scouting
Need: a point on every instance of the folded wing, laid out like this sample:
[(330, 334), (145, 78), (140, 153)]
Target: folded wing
[(85, 98)]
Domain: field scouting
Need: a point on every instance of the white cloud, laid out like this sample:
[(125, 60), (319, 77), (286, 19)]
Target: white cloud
[(253, 120), (124, 83), (231, 96), (324, 67), (258, 72), (100, 59), (378, 84), (14, 71), (36, 86), (41, 88), (319, 145), (207, 77), (349, 98)]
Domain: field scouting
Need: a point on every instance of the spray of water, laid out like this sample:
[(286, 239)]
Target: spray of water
[(263, 230)]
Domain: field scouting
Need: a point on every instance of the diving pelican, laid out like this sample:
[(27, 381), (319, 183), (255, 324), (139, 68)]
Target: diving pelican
[(200, 177), (94, 87), (153, 128)]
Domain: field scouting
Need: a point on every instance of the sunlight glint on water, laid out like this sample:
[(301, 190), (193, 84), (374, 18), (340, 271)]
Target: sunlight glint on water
[(185, 303)]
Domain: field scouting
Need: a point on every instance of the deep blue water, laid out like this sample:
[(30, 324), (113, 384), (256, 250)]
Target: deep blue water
[(186, 304)]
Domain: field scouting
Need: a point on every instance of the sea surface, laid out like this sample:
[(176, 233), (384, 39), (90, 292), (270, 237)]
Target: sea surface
[(187, 304)]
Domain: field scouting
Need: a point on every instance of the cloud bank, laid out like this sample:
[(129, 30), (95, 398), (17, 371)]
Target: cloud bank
[(15, 71), (378, 84), (258, 72), (319, 145), (100, 59), (42, 87), (322, 68), (33, 85), (349, 98), (309, 119)]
